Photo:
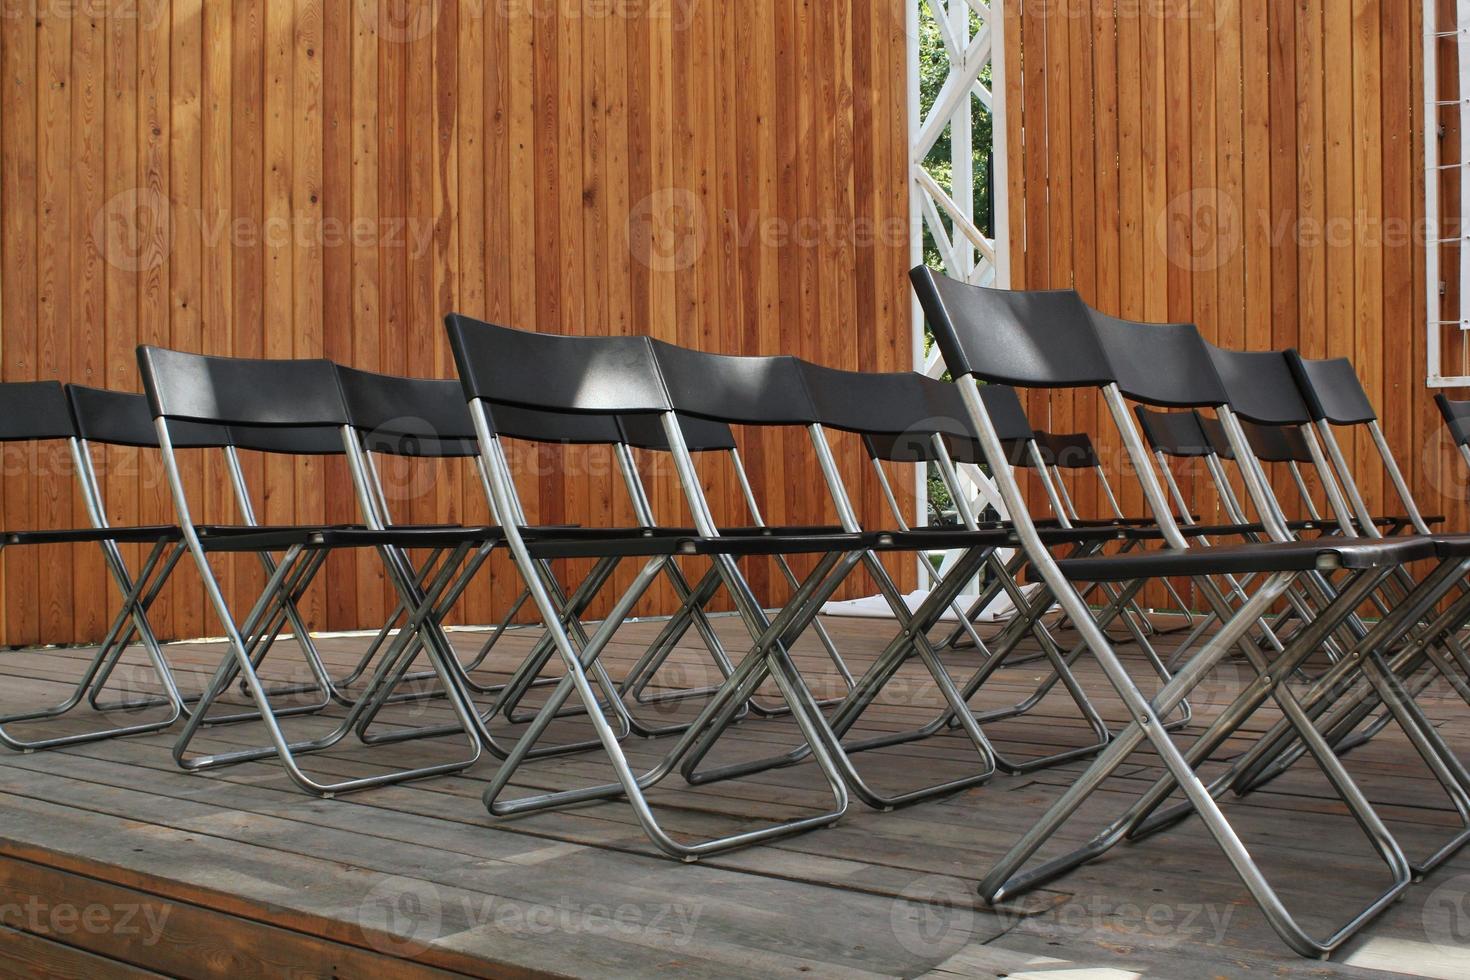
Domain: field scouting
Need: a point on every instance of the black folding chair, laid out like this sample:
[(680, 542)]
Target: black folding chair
[(1191, 436), (38, 411), (616, 376), (784, 391), (608, 431), (122, 419), (288, 395), (416, 420), (1335, 396)]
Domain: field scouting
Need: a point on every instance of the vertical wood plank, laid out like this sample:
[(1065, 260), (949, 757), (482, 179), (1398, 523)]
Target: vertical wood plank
[(185, 279), (51, 465), (90, 585), (18, 248)]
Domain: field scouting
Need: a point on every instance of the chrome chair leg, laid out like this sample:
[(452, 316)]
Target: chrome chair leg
[(1006, 878), (238, 660), (766, 653), (130, 619)]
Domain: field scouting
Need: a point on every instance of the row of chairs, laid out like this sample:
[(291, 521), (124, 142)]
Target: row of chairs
[(1284, 596)]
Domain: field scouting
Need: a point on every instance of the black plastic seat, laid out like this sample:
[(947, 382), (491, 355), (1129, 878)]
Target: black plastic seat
[(1004, 536), (1286, 556), (1452, 545), (662, 543), (140, 534), (313, 538)]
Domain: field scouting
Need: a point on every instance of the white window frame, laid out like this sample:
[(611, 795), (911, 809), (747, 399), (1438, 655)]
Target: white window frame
[(1434, 239)]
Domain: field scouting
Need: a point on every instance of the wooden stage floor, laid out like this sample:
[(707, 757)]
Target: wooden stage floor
[(113, 862)]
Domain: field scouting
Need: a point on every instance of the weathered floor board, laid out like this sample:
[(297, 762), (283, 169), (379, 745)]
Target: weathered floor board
[(236, 871)]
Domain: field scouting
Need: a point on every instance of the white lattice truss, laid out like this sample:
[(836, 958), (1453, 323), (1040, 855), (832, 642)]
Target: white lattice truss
[(970, 44)]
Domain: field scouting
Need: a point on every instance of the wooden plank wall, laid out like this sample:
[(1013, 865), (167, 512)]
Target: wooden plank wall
[(1252, 166), (277, 178)]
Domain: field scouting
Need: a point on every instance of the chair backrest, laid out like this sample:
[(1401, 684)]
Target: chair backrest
[(1277, 443), (596, 375), (1164, 364), (700, 435), (554, 428), (1021, 338), (1175, 434), (899, 413), (34, 410), (891, 403), (1215, 437), (906, 447), (238, 391), (122, 418), (733, 389), (1260, 386), (1072, 451), (1171, 434), (421, 417), (281, 440), (1456, 417), (1331, 389), (1006, 413)]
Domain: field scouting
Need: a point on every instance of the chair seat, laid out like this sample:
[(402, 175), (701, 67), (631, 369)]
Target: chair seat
[(146, 534), (1119, 521), (1394, 523), (654, 542), (1289, 556), (800, 530), (1224, 530), (246, 538), (1452, 545), (1002, 536)]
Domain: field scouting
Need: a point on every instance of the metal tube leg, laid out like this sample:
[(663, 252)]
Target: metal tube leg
[(628, 784), (1003, 881), (237, 659), (1274, 752), (131, 618)]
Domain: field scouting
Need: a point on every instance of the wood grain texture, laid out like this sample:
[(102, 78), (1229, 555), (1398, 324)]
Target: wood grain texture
[(239, 874), (288, 178), (1267, 187)]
